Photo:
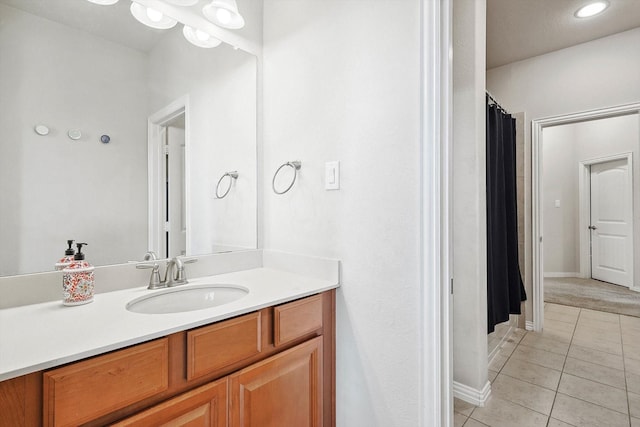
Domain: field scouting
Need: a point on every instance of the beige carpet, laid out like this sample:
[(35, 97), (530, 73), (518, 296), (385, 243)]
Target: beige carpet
[(593, 294)]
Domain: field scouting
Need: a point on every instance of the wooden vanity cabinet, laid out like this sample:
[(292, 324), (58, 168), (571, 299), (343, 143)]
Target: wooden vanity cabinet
[(273, 367)]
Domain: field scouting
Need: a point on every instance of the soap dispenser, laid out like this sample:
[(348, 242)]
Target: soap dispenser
[(78, 280), (67, 259)]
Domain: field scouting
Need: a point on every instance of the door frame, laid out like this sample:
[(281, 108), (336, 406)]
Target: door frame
[(584, 186), (155, 164), (537, 126)]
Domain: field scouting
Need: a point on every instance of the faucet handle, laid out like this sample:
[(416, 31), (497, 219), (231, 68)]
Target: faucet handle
[(187, 260), (154, 280)]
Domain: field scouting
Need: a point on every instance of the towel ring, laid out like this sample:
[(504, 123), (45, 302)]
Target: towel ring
[(296, 165), (232, 175)]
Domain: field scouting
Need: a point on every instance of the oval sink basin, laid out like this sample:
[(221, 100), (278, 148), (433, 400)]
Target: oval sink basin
[(191, 298)]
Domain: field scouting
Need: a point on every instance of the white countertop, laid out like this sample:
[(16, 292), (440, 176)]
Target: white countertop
[(40, 336)]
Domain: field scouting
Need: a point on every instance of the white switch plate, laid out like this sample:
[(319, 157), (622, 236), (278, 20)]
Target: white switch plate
[(332, 176), (557, 203)]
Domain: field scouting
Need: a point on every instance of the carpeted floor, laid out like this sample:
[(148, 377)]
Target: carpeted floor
[(593, 294)]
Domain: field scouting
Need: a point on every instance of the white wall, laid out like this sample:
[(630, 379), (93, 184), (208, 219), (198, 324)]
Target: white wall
[(563, 148), (53, 188), (342, 82), (222, 87), (597, 74), (469, 201)]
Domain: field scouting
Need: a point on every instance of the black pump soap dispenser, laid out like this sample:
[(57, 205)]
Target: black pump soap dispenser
[(78, 281), (67, 259)]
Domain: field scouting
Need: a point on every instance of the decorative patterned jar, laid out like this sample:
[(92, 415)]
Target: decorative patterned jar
[(78, 281)]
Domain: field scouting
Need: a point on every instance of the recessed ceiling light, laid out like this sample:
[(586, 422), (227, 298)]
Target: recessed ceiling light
[(592, 9)]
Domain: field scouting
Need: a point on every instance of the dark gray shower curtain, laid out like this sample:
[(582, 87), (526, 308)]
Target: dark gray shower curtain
[(505, 290)]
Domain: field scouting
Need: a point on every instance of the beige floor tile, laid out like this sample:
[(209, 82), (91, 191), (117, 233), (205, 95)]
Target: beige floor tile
[(591, 391), (502, 413), (556, 334), (462, 407), (597, 373), (633, 382), (532, 373), (605, 346), (561, 317), (632, 365), (634, 404), (559, 308), (630, 338), (599, 315), (523, 393), (591, 334), (597, 325), (538, 341), (561, 326), (459, 419), (557, 423), (584, 414), (539, 357), (518, 334), (630, 322), (492, 375), (631, 349), (635, 422), (596, 356), (498, 362), (473, 423)]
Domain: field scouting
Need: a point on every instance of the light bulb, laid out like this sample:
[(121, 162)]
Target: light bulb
[(154, 15), (592, 9), (202, 36), (224, 16)]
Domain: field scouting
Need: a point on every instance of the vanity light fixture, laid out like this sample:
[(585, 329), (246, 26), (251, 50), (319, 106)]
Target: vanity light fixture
[(592, 9), (199, 37), (151, 17), (224, 13), (182, 2), (104, 2)]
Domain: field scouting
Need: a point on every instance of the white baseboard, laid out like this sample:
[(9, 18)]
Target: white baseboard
[(471, 395), (560, 274), (529, 325)]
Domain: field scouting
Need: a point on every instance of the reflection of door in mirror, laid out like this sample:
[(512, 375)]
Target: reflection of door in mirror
[(174, 200)]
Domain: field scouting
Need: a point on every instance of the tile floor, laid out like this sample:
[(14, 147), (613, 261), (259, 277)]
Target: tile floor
[(583, 370)]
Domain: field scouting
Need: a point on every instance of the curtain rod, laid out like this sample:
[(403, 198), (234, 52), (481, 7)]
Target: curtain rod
[(496, 103)]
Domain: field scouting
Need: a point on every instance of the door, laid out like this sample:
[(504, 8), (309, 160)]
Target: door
[(284, 390), (205, 406), (176, 228), (611, 223)]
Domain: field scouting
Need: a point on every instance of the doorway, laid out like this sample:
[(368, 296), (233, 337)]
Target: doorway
[(168, 142), (563, 240)]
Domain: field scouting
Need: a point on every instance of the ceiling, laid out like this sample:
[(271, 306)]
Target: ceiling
[(520, 29), (113, 23)]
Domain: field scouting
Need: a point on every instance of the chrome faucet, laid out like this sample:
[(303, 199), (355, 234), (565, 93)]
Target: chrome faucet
[(171, 277)]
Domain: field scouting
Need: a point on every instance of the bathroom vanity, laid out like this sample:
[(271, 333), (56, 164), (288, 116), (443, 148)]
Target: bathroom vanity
[(267, 359)]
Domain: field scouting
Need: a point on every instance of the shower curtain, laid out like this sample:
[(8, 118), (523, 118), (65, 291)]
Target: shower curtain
[(505, 290)]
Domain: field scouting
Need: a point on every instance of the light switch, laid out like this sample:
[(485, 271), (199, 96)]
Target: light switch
[(332, 176), (557, 203)]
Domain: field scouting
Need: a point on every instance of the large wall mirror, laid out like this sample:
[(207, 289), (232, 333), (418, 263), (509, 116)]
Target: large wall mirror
[(73, 75)]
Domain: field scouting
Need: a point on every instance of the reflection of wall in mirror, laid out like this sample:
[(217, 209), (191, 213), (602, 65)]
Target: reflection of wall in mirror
[(53, 188), (221, 84)]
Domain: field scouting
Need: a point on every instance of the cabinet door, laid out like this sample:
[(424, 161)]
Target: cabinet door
[(86, 390), (284, 390), (205, 406)]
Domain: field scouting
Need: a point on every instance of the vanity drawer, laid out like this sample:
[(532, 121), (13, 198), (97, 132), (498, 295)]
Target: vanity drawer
[(223, 344), (297, 319), (83, 391)]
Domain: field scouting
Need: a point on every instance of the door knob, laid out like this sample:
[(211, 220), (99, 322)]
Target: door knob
[(591, 227)]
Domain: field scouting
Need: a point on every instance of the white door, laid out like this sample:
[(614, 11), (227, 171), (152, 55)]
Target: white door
[(175, 173), (611, 229)]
